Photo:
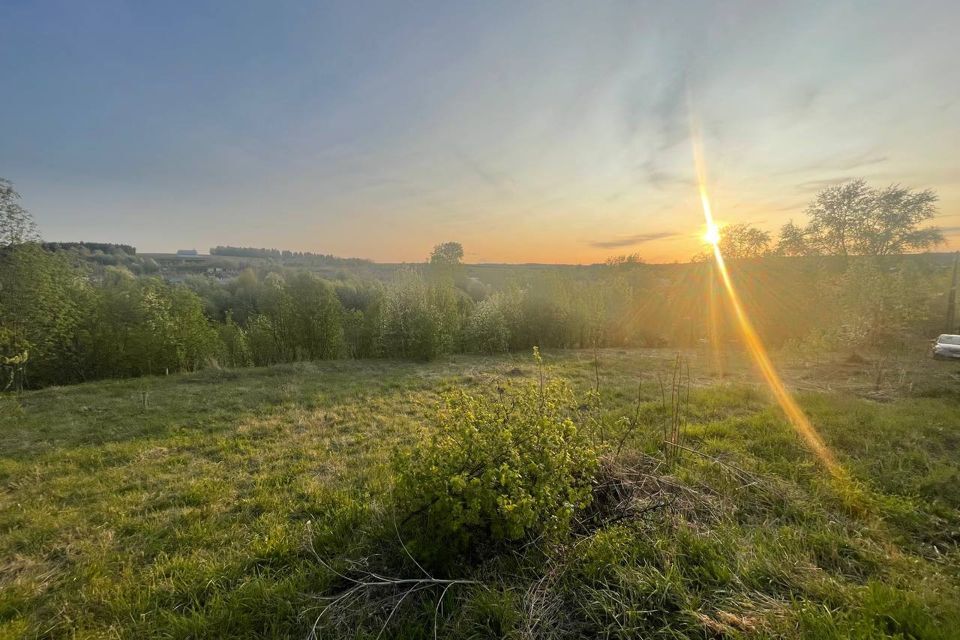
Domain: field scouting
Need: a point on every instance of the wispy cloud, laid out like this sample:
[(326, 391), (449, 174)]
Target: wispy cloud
[(657, 176), (629, 241), (496, 180), (818, 185), (839, 163)]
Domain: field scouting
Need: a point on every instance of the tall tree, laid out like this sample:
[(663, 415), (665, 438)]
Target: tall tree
[(894, 222), (16, 224), (855, 219), (836, 214)]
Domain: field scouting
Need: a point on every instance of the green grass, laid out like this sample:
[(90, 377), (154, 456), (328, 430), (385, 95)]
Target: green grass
[(190, 518)]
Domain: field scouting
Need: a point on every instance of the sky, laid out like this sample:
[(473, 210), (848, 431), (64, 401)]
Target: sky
[(548, 131)]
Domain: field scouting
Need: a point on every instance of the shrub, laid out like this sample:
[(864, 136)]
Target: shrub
[(487, 331), (310, 317), (235, 349), (262, 341), (496, 471), (419, 319)]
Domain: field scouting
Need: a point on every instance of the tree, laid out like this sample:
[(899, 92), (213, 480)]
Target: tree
[(447, 254), (740, 240), (835, 215), (793, 241), (624, 260), (16, 223), (312, 318), (42, 300), (854, 219), (893, 225), (486, 330), (419, 319), (743, 241)]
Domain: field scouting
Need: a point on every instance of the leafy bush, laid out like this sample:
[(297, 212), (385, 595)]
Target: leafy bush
[(262, 341), (311, 316), (42, 296), (419, 319), (234, 347), (496, 470), (141, 326), (487, 330)]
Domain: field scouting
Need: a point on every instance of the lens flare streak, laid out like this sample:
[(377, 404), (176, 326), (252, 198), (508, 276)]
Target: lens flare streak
[(754, 345)]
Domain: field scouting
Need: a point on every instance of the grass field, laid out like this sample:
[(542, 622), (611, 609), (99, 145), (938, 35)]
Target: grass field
[(191, 506)]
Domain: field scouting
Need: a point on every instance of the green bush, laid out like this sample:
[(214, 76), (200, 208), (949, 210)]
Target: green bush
[(487, 330), (496, 470), (234, 346), (419, 319), (262, 341)]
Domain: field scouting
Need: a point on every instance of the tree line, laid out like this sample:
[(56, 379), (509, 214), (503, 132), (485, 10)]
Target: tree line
[(254, 252), (847, 219), (65, 318)]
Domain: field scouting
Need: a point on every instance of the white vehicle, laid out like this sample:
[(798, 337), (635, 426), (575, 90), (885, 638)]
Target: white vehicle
[(947, 347)]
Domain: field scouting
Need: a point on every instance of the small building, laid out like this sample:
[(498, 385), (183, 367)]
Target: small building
[(187, 252)]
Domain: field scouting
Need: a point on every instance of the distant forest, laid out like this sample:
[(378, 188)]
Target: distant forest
[(105, 247), (253, 252)]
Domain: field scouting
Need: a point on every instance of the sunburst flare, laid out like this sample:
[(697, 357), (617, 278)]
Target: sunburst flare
[(758, 352)]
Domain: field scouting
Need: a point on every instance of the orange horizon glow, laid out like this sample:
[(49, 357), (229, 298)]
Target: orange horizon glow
[(758, 352)]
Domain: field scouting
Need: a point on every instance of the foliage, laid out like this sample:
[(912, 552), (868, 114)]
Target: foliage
[(497, 470), (58, 303), (855, 219), (102, 247), (447, 254), (253, 252), (16, 224), (42, 300), (881, 300), (142, 326), (792, 241), (743, 241), (632, 259), (486, 331), (264, 344), (235, 348), (309, 318), (736, 241), (75, 330), (419, 319)]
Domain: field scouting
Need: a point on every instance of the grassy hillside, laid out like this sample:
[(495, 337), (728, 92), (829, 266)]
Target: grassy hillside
[(218, 504)]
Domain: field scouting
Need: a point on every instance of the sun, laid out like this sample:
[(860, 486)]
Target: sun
[(712, 234)]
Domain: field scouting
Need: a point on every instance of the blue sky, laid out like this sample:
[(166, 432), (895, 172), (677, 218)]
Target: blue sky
[(534, 131)]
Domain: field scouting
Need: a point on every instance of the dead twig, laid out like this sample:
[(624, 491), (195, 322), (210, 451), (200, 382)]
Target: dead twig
[(636, 421), (365, 581)]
